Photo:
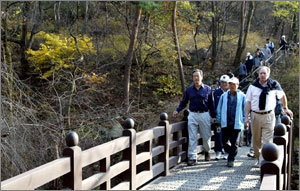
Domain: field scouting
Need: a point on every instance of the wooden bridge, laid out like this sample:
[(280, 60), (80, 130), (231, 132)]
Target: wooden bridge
[(159, 154)]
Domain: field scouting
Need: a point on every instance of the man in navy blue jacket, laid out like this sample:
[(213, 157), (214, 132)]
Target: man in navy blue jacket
[(201, 113)]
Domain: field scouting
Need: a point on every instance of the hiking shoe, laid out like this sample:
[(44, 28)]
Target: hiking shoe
[(257, 164), (225, 156), (251, 155), (218, 155), (207, 156), (191, 162), (230, 164)]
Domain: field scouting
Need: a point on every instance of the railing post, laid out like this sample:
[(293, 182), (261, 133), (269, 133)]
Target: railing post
[(130, 153), (176, 137), (280, 138), (73, 179), (148, 148), (290, 148), (185, 133), (104, 167), (271, 164), (165, 140)]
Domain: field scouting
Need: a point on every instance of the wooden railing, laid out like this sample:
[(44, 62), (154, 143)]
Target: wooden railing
[(167, 142), (276, 167), (163, 147)]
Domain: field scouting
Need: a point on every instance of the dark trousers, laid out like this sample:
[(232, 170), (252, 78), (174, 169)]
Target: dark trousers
[(249, 69), (231, 134), (242, 76), (218, 139), (248, 136)]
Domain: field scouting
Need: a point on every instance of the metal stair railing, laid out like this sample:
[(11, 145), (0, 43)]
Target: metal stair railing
[(252, 74)]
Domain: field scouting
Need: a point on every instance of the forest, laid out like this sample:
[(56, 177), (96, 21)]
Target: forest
[(86, 66)]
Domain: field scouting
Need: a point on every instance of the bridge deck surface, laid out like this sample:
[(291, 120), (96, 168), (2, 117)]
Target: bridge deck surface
[(211, 175)]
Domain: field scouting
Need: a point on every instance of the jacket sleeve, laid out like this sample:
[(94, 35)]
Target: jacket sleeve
[(245, 69), (218, 119), (211, 104), (183, 102), (244, 107)]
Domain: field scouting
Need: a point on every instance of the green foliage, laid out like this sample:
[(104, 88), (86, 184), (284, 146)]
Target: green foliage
[(285, 9), (185, 5), (58, 52), (148, 5), (168, 85)]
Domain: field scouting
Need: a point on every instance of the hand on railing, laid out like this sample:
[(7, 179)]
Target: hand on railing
[(288, 112), (175, 113)]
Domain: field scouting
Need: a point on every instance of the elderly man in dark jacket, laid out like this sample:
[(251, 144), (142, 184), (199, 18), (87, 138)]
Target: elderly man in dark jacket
[(242, 71), (249, 62)]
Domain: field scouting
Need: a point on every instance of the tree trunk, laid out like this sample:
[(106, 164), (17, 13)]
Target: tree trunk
[(86, 16), (147, 28), (214, 37), (24, 62), (56, 11), (177, 47), (247, 28), (195, 44), (239, 47), (106, 20), (222, 37), (37, 23), (294, 28), (7, 60), (128, 60)]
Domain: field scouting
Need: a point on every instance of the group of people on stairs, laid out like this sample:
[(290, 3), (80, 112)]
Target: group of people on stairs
[(262, 56)]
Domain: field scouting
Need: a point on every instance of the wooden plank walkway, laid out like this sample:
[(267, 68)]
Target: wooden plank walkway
[(211, 175)]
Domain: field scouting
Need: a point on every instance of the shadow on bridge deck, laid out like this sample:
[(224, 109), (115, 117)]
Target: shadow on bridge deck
[(212, 175)]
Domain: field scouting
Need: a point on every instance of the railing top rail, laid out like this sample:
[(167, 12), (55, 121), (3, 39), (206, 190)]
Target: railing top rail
[(99, 152), (149, 134), (35, 178)]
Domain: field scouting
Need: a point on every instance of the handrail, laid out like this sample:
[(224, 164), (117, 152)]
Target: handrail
[(70, 167), (35, 178), (266, 61), (276, 168)]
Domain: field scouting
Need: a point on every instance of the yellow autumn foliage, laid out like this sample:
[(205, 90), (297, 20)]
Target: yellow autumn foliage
[(58, 52), (94, 78)]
